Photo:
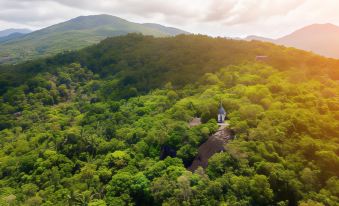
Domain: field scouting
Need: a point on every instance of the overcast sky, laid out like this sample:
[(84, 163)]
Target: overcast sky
[(270, 18)]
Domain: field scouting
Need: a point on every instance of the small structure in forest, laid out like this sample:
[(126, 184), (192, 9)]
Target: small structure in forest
[(261, 58), (221, 114), (195, 122)]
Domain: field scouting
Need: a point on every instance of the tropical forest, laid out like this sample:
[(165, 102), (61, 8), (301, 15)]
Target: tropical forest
[(110, 124)]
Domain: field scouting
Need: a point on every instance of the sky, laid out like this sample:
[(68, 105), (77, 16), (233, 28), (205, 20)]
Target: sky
[(225, 18)]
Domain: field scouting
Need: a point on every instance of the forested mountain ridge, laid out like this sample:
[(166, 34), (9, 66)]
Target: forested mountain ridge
[(75, 34), (88, 127), (147, 62)]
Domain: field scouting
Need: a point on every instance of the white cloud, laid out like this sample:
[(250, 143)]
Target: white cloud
[(213, 17)]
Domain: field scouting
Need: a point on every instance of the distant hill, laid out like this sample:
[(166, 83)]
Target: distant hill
[(322, 39), (259, 38), (319, 38), (11, 37), (75, 34), (8, 32)]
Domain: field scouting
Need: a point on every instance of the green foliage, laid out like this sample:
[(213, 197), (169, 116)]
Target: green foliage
[(92, 133)]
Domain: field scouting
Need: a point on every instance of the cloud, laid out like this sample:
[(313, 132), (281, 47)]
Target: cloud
[(214, 17), (229, 11), (245, 11), (34, 13)]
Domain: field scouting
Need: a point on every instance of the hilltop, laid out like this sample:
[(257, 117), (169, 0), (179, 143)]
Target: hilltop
[(140, 61), (74, 34)]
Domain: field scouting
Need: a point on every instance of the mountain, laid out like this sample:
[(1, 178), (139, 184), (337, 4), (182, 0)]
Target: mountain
[(169, 30), (110, 125), (75, 34), (7, 32), (319, 38), (322, 39), (258, 38), (11, 37)]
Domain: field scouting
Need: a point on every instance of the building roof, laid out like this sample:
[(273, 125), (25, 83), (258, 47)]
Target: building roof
[(221, 110)]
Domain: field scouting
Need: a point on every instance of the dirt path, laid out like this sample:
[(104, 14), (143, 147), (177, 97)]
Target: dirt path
[(214, 144)]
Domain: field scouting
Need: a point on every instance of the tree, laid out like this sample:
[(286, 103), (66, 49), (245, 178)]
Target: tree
[(117, 159), (127, 187)]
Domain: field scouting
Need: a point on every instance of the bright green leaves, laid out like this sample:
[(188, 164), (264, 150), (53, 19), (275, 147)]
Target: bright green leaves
[(117, 159)]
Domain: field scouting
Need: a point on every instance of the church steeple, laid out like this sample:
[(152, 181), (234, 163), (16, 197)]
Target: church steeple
[(221, 114)]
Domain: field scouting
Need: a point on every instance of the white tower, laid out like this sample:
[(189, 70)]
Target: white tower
[(221, 114)]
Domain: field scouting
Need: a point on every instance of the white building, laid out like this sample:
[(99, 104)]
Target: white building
[(221, 114)]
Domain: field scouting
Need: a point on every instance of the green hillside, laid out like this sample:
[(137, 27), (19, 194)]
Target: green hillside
[(74, 34), (89, 127)]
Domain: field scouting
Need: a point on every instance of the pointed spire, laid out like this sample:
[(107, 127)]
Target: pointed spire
[(221, 109)]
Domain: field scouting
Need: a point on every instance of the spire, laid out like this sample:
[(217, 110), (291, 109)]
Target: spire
[(221, 109)]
